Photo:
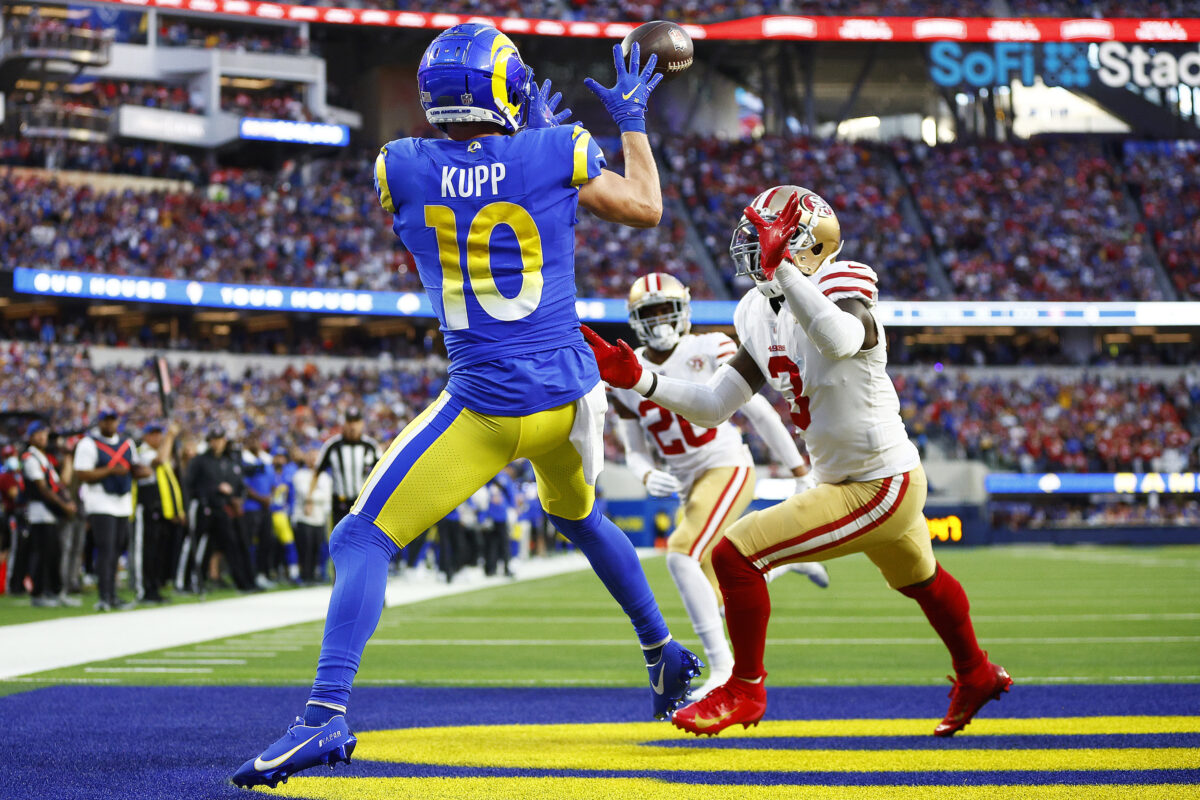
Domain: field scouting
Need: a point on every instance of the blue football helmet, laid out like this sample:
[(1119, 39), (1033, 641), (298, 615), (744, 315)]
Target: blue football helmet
[(473, 73)]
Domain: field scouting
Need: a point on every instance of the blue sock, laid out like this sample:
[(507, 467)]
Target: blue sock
[(290, 555), (361, 553), (612, 556)]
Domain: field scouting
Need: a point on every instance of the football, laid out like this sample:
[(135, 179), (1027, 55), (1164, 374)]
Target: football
[(668, 41)]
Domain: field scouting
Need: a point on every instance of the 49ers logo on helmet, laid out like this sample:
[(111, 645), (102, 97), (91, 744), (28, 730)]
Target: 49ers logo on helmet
[(816, 205)]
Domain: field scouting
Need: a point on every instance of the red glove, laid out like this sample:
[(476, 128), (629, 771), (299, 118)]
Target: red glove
[(619, 366), (773, 236)]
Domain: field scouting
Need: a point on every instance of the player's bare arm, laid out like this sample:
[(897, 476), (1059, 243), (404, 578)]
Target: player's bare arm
[(634, 199), (858, 309)]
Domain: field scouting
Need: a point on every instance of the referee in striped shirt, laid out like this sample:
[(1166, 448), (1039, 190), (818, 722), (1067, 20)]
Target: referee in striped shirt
[(349, 457)]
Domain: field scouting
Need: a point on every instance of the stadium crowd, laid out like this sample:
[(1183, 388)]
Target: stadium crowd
[(179, 32), (1044, 220), (106, 95), (1051, 424), (237, 445), (1166, 178), (717, 179)]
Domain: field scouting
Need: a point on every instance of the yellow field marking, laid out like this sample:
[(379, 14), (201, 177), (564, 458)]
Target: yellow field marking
[(641, 788), (621, 746)]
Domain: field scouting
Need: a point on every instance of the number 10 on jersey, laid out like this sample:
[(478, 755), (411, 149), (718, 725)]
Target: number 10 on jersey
[(478, 267)]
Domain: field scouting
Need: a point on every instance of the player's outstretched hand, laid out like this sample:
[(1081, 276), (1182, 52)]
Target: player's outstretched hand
[(773, 236), (626, 101), (543, 107), (618, 365)]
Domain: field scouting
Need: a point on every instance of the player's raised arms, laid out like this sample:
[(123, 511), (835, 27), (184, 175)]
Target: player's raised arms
[(634, 199)]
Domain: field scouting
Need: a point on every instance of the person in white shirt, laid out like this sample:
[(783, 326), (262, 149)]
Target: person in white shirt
[(310, 516), (47, 505), (106, 464)]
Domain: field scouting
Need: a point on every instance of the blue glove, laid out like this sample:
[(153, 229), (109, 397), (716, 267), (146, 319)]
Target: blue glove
[(626, 101), (542, 107)]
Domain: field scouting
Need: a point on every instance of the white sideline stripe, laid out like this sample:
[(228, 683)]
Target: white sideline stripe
[(71, 641), (823, 642), (181, 661), (170, 670), (219, 654)]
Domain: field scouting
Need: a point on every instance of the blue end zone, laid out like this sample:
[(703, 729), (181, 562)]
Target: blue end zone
[(168, 743)]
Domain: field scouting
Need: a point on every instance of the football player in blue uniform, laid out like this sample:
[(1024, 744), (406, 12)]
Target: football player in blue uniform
[(489, 216)]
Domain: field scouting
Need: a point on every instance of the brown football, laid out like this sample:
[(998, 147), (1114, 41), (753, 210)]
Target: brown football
[(668, 41)]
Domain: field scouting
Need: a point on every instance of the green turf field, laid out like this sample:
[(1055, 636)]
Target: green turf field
[(1048, 614)]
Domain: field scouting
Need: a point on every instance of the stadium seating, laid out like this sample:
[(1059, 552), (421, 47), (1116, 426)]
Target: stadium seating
[(298, 406), (1167, 179), (1048, 422), (717, 179), (1037, 221)]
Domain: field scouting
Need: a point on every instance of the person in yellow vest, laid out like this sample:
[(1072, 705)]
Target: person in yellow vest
[(160, 511)]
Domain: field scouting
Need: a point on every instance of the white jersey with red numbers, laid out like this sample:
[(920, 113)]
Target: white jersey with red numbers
[(848, 409), (688, 450)]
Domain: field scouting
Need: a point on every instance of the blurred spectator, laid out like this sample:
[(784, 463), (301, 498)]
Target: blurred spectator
[(106, 465), (46, 507), (160, 513), (349, 458), (214, 482), (310, 516)]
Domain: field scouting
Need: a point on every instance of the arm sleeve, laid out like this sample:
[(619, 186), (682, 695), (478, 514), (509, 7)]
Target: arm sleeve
[(587, 159), (835, 333), (770, 428), (706, 404), (382, 188), (637, 455)]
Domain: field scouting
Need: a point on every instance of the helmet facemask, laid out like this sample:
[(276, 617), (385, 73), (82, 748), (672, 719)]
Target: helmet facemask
[(662, 324), (817, 239)]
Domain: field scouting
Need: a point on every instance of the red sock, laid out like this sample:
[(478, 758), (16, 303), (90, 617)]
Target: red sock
[(945, 604), (747, 609)]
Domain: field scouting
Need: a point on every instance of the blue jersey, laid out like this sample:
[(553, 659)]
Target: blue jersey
[(259, 475), (490, 223)]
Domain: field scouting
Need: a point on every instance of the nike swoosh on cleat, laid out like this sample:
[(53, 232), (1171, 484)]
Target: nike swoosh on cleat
[(261, 765), (626, 97), (703, 722), (658, 686)]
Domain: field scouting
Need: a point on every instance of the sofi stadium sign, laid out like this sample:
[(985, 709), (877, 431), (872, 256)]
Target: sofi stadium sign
[(1064, 64)]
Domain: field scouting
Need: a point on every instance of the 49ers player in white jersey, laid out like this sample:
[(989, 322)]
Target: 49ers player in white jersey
[(710, 468), (810, 330)]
